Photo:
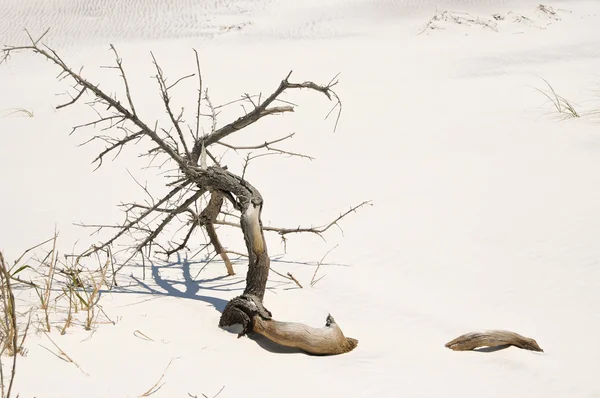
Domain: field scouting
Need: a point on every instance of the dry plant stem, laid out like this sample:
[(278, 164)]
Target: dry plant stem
[(137, 334), (156, 385), (49, 280), (28, 283), (67, 324), (295, 280), (288, 276), (17, 261), (492, 338), (206, 396), (11, 314), (50, 276), (216, 395), (92, 298), (312, 280), (63, 355), (21, 349)]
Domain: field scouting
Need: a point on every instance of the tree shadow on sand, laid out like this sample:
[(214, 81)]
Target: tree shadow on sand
[(169, 282), (188, 287), (273, 347)]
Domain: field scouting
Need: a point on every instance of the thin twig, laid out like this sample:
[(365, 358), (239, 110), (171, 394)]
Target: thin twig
[(127, 90), (199, 95), (295, 280), (165, 97), (312, 281), (63, 355), (156, 385), (73, 100)]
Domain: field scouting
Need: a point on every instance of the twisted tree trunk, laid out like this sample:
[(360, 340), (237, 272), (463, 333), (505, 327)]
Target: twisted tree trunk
[(248, 309)]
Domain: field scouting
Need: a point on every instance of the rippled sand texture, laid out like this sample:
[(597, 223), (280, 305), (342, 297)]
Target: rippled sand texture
[(77, 22)]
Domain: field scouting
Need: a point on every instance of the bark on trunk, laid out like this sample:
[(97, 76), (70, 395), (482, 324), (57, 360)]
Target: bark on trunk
[(248, 309), (208, 217)]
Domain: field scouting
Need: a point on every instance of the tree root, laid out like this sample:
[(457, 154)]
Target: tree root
[(248, 311), (492, 338)]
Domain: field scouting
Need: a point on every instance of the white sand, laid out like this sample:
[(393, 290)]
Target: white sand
[(486, 205)]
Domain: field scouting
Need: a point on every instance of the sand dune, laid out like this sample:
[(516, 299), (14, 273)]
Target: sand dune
[(485, 201), (94, 21)]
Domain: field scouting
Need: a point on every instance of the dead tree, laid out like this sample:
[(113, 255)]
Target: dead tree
[(191, 152)]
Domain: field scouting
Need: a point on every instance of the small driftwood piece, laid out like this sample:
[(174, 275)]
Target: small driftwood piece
[(328, 340), (492, 338)]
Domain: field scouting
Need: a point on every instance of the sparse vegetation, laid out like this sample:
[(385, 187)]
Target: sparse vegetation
[(17, 112), (77, 289), (563, 106), (459, 18), (544, 13), (9, 330), (81, 293)]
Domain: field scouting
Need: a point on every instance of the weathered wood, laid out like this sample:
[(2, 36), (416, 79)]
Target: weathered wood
[(328, 340), (208, 217), (492, 338), (248, 310)]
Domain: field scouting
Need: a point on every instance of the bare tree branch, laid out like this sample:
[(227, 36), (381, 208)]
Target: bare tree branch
[(127, 90), (73, 100), (314, 230), (262, 110), (199, 95), (129, 225), (102, 96), (119, 144), (164, 91), (181, 208), (265, 145)]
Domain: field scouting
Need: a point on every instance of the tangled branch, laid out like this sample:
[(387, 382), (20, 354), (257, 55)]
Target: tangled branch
[(121, 125)]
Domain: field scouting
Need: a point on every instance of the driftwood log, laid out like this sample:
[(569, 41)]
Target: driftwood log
[(190, 154), (492, 338), (328, 340)]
